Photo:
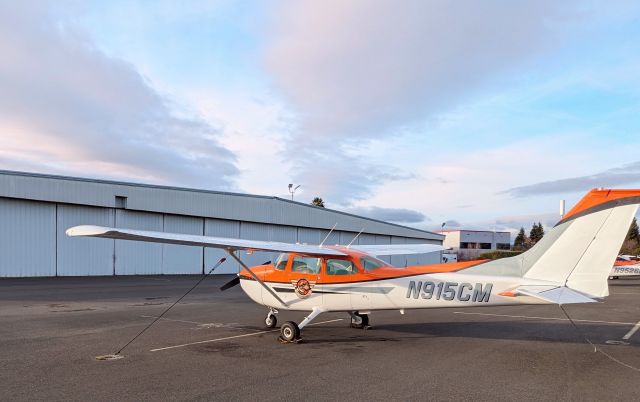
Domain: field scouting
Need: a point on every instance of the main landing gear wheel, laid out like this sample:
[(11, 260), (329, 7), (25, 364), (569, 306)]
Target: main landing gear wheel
[(289, 332), (271, 321), (360, 321)]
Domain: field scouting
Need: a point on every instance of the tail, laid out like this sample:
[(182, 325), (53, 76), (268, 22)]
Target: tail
[(580, 250)]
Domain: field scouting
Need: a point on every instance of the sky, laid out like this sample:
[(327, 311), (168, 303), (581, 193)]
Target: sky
[(477, 114)]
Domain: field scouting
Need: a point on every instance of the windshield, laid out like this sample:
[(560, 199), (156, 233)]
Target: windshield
[(281, 262)]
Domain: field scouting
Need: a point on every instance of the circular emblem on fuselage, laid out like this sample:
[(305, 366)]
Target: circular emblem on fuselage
[(303, 287)]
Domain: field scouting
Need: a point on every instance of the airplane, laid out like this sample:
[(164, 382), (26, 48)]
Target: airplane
[(625, 265), (570, 264)]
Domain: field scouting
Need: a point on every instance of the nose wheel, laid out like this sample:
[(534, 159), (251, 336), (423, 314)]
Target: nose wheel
[(359, 321), (270, 320)]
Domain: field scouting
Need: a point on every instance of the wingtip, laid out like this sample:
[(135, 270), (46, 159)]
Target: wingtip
[(84, 230)]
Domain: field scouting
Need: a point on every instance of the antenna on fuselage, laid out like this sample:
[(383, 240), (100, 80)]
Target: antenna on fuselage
[(354, 239), (328, 234)]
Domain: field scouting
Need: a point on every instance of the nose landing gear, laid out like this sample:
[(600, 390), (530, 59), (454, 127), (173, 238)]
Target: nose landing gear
[(359, 320), (271, 321)]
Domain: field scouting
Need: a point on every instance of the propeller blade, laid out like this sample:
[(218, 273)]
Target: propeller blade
[(235, 281)]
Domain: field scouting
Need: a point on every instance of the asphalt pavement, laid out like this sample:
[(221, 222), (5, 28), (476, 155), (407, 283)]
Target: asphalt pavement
[(213, 346)]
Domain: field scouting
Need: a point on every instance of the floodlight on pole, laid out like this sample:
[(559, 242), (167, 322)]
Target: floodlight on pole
[(292, 189)]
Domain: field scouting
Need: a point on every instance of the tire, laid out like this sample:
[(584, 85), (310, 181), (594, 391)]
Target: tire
[(289, 331), (362, 321), (271, 321)]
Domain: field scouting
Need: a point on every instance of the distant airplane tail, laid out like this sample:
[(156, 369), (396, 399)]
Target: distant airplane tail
[(580, 250)]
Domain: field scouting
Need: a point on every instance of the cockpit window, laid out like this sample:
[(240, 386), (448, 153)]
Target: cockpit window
[(369, 264), (340, 267), (306, 265), (281, 262)]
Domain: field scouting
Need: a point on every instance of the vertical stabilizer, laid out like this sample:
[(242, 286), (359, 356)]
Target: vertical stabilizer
[(581, 249)]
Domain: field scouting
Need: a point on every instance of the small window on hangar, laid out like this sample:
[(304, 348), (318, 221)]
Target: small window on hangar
[(121, 202)]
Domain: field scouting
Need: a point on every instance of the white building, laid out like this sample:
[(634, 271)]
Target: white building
[(469, 244)]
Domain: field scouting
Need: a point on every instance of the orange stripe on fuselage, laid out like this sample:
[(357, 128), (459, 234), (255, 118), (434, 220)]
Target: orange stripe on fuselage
[(268, 273)]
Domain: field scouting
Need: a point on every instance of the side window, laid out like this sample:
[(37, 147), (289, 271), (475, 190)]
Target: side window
[(370, 264), (340, 267), (281, 263), (306, 265)]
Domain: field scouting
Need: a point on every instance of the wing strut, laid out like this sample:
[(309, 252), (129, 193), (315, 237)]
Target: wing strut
[(268, 289)]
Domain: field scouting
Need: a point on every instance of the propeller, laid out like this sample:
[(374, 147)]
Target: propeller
[(230, 284), (235, 281)]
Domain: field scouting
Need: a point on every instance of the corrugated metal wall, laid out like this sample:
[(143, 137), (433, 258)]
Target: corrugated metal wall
[(220, 228), (182, 259), (33, 241), (191, 202), (27, 238), (77, 256), (135, 258)]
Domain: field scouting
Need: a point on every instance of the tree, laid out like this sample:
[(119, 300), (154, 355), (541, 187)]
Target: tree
[(520, 241), (631, 244), (536, 233), (318, 202), (633, 233)]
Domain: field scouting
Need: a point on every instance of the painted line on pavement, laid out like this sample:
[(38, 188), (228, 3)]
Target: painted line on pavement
[(545, 318), (234, 337), (632, 331), (201, 325)]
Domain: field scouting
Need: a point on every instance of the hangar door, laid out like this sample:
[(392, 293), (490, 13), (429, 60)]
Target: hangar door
[(27, 238), (134, 257), (81, 256)]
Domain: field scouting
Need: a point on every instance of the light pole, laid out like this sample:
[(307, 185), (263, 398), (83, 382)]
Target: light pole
[(292, 189)]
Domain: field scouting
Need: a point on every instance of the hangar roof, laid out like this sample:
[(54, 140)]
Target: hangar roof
[(194, 202)]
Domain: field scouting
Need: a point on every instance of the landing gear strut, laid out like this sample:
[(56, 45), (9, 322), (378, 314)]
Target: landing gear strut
[(359, 321)]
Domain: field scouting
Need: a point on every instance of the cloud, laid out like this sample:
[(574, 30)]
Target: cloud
[(338, 178), (397, 215), (624, 175), (359, 70), (513, 223), (67, 107)]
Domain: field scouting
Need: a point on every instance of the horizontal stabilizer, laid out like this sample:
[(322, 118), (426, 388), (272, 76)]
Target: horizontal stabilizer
[(554, 295)]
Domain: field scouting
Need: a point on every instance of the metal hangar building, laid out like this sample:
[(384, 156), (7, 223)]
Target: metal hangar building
[(36, 209)]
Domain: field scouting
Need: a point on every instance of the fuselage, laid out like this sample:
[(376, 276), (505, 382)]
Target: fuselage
[(359, 282)]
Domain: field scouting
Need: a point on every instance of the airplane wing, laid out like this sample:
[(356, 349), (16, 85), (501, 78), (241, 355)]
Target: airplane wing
[(200, 241), (397, 249)]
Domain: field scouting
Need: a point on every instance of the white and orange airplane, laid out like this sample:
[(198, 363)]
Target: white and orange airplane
[(569, 265), (625, 265)]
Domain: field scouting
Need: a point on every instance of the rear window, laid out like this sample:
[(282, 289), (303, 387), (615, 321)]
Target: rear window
[(369, 264), (340, 267), (306, 265)]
